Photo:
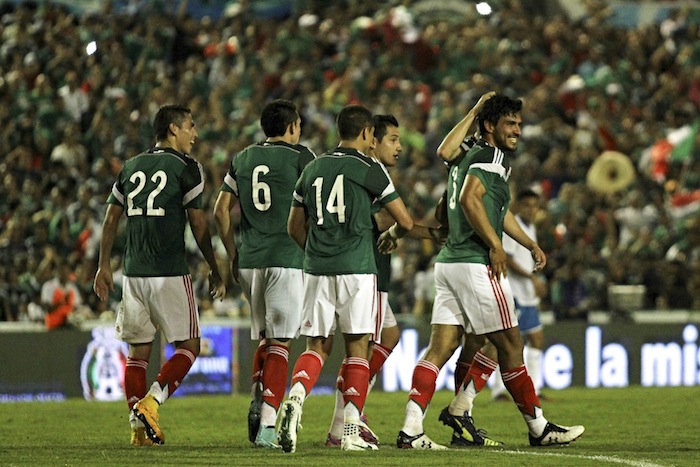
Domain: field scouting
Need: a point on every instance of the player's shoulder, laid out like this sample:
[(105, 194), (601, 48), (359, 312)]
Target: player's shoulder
[(165, 157), (353, 157), (484, 155), (305, 150)]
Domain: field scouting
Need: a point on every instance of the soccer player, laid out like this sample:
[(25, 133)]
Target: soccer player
[(331, 218), (473, 293), (268, 264), (385, 150), (160, 190), (525, 283)]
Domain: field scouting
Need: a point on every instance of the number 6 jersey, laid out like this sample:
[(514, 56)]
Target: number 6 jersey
[(155, 188), (262, 177)]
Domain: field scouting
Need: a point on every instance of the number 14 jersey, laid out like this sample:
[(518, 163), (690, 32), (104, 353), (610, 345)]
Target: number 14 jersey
[(337, 191)]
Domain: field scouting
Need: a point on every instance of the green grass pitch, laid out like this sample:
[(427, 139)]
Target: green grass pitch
[(635, 426)]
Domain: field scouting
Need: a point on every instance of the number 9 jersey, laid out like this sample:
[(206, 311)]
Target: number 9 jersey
[(155, 188)]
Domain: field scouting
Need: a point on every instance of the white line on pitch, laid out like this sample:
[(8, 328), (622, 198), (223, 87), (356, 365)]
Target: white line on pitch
[(611, 459)]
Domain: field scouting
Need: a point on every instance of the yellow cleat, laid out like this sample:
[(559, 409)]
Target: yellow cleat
[(139, 437), (146, 410)]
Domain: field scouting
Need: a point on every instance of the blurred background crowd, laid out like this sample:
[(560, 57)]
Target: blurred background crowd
[(79, 89)]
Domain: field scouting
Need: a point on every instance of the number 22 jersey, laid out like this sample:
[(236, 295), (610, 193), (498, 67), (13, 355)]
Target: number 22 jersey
[(155, 188)]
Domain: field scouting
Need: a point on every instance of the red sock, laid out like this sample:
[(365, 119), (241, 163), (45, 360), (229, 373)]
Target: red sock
[(276, 364), (135, 380), (423, 385), (258, 363), (480, 371), (461, 370), (175, 370), (356, 377), (339, 381), (520, 386), (379, 356), (307, 370)]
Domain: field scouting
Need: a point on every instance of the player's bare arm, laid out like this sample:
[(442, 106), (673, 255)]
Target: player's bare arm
[(222, 214), (104, 282), (419, 231), (512, 228), (472, 203), (441, 211), (450, 146), (200, 229), (402, 226), (297, 225)]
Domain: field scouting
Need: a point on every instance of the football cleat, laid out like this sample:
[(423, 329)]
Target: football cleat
[(353, 440), (290, 423), (332, 441), (421, 441), (557, 435), (146, 410), (267, 438), (465, 433), (366, 432), (139, 437)]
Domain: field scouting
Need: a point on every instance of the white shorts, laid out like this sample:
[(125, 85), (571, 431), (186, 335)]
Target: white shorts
[(349, 298), (466, 296), (385, 316), (275, 296), (152, 303)]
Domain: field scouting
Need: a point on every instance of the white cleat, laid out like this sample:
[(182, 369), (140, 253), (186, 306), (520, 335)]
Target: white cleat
[(291, 416), (421, 441), (554, 435), (353, 441)]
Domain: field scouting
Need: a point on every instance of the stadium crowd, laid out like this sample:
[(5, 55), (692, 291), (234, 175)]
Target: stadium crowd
[(78, 93)]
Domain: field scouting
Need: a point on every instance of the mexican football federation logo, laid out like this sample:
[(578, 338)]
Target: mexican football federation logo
[(103, 366)]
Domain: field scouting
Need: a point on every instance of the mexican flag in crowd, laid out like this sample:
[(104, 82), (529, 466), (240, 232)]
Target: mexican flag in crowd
[(681, 146)]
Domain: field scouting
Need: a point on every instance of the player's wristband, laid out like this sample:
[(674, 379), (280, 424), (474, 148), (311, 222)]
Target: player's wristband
[(392, 231)]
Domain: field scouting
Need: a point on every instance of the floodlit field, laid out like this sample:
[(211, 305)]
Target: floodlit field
[(636, 426)]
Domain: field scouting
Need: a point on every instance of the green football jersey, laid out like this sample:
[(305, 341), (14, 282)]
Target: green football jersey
[(383, 263), (492, 167), (262, 177), (155, 188), (337, 191)]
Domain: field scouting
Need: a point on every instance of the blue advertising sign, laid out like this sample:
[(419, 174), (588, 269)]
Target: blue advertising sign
[(212, 372)]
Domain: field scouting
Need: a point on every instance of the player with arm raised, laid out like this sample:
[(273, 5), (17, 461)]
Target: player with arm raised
[(473, 294), (268, 263), (160, 190)]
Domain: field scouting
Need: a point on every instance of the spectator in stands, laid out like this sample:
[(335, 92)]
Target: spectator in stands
[(60, 295)]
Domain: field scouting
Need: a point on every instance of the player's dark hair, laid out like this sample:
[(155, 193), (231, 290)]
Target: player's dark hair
[(527, 193), (381, 122), (352, 120), (276, 116), (495, 108), (166, 115)]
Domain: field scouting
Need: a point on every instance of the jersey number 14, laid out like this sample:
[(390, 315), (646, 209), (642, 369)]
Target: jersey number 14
[(336, 199)]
